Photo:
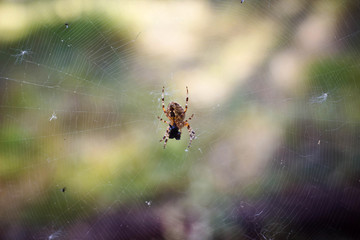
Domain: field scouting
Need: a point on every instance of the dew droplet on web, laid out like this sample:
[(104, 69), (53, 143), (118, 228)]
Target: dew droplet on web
[(53, 117)]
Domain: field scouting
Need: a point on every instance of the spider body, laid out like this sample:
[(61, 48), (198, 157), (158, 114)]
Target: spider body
[(174, 132), (176, 115)]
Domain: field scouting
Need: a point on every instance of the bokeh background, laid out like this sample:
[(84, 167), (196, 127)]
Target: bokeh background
[(273, 84)]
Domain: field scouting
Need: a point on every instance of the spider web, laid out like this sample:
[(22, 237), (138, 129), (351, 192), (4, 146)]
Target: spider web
[(274, 89)]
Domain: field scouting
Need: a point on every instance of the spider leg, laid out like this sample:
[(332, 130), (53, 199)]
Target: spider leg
[(191, 133), (187, 99), (165, 142), (162, 100), (189, 118), (166, 136), (163, 120)]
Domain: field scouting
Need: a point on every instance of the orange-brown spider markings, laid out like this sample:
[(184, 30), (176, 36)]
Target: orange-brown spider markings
[(176, 114)]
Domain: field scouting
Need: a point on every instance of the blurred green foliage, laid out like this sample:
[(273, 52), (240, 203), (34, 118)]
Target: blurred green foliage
[(103, 145)]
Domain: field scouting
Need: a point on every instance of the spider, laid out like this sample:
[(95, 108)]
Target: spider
[(176, 114)]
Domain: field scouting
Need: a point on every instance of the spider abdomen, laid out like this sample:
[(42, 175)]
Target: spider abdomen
[(176, 114)]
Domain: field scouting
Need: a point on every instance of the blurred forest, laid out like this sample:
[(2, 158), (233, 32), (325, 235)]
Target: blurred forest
[(274, 87)]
